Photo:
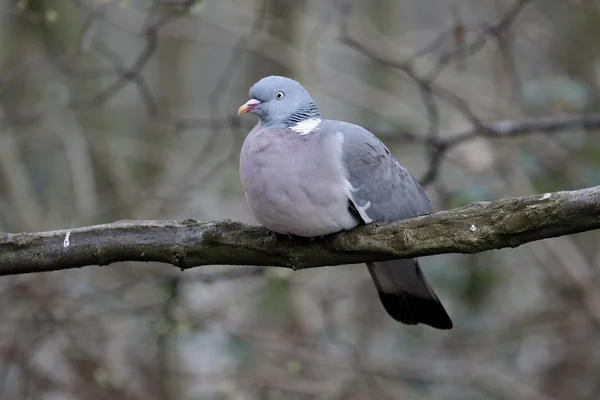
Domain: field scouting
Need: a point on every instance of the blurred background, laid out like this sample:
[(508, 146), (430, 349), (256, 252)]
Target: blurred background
[(116, 109)]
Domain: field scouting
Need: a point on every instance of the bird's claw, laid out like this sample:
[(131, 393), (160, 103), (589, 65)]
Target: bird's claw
[(279, 236)]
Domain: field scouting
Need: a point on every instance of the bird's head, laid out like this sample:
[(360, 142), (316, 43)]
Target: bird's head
[(279, 100)]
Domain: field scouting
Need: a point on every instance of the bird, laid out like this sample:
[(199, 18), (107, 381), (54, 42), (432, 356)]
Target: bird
[(307, 176)]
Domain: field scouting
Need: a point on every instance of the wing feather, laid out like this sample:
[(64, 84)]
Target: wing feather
[(382, 190)]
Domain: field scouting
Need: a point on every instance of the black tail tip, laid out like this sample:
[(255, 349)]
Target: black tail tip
[(417, 310)]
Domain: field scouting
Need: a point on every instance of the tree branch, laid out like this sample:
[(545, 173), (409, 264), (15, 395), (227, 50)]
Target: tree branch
[(509, 128), (475, 228)]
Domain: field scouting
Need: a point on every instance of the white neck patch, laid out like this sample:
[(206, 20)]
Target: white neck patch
[(307, 126)]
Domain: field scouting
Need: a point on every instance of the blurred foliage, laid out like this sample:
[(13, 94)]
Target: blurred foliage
[(115, 109)]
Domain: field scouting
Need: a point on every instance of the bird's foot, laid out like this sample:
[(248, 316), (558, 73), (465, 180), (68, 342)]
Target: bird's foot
[(280, 236)]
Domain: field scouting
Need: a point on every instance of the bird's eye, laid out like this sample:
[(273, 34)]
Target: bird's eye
[(279, 95)]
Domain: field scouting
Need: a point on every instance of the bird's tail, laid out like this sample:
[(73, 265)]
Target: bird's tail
[(406, 295)]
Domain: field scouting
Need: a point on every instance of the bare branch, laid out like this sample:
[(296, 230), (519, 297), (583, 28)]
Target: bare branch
[(430, 90), (475, 228), (507, 128), (501, 129)]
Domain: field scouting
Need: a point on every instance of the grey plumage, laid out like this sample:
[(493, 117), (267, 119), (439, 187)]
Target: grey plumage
[(311, 177)]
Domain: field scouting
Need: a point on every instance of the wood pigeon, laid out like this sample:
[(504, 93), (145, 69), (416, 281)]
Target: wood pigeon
[(307, 176)]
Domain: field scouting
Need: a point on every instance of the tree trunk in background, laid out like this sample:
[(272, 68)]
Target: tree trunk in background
[(280, 21), (380, 15), (15, 45), (170, 94), (31, 45)]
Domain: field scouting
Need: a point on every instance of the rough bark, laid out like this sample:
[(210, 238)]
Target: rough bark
[(475, 228)]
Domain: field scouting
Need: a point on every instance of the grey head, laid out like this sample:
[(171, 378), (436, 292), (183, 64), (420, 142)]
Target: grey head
[(279, 101)]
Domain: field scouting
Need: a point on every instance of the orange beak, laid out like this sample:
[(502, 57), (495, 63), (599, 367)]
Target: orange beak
[(249, 106)]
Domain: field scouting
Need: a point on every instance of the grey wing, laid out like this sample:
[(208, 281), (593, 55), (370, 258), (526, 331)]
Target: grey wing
[(384, 191)]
